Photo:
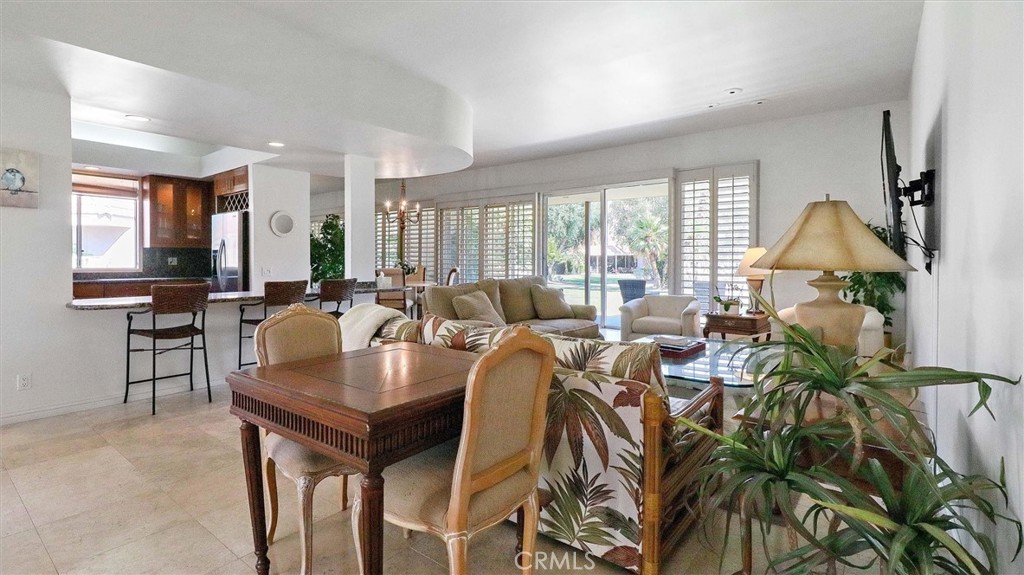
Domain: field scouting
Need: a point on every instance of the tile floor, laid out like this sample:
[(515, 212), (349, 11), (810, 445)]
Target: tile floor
[(116, 490)]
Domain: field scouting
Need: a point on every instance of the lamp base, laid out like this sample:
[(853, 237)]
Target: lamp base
[(839, 321), (754, 284)]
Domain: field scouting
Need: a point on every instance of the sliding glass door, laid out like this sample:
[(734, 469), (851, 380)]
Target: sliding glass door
[(601, 242)]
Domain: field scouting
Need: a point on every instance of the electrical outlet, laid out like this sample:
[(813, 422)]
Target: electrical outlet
[(24, 381), (265, 270), (172, 261)]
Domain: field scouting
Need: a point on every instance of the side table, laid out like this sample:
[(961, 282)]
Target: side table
[(750, 324)]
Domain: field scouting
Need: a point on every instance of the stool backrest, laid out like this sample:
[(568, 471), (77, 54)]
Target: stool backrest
[(420, 275), (180, 298), (338, 290), (298, 332), (453, 276), (397, 280), (284, 293)]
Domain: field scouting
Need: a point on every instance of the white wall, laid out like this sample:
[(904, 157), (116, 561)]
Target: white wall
[(801, 159), (273, 257), (967, 97)]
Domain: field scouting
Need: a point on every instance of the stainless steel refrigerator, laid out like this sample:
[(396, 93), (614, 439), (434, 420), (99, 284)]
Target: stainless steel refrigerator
[(230, 256)]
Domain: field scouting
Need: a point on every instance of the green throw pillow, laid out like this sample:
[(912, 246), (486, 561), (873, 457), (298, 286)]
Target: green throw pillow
[(550, 303), (476, 306)]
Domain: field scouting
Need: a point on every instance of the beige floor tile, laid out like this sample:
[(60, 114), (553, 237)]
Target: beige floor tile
[(333, 550), (50, 447), (236, 567), (178, 457), (185, 547), (14, 518), (74, 539), (205, 490), (23, 553), (65, 486), (39, 429)]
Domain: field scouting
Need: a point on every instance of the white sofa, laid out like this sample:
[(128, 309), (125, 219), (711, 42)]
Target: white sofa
[(872, 333), (661, 315)]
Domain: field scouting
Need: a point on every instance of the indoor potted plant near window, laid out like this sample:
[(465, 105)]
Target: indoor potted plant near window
[(826, 424), (730, 305), (877, 289), (327, 250)]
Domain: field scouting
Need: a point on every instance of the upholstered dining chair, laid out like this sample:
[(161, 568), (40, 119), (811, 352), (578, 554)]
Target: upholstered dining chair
[(298, 332), (395, 299), (460, 488)]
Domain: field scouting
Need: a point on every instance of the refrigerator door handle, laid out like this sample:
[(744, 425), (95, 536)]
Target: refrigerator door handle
[(220, 262)]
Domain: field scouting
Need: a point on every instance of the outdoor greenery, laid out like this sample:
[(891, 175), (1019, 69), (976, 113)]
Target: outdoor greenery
[(327, 250), (876, 289), (837, 428), (638, 225)]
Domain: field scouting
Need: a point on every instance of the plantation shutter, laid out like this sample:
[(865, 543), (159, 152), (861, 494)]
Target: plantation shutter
[(379, 240), (419, 242), (459, 242), (716, 228), (508, 240)]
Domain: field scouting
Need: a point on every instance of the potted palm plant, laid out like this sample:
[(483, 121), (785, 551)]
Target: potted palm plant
[(837, 428)]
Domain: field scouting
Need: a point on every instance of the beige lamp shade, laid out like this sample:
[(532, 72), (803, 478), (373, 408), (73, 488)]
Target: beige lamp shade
[(830, 236), (747, 268)]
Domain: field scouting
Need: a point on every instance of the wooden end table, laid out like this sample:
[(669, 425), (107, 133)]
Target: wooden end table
[(748, 324)]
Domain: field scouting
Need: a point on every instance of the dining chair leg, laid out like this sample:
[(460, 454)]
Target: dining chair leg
[(406, 533), (305, 485), (357, 534), (206, 367), (191, 361), (457, 548), (127, 364), (270, 476), (531, 516), (153, 411)]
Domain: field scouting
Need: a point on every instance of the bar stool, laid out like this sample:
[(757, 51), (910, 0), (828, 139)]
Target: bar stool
[(275, 294), (337, 291), (171, 300)]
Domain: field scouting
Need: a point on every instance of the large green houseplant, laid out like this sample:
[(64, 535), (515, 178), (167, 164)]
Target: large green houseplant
[(837, 428), (327, 250)]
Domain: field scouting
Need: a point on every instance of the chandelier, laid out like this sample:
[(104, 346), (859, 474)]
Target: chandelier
[(402, 215)]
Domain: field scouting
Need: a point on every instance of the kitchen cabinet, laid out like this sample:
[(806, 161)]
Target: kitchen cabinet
[(176, 212), (84, 289), (231, 181)]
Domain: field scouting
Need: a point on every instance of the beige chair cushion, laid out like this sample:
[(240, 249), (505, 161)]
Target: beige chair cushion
[(516, 299), (550, 303), (438, 300), (477, 307), (419, 489), (567, 327), (661, 325), (296, 459)]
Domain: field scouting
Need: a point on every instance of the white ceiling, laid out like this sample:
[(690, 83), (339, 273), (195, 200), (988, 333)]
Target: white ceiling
[(387, 79)]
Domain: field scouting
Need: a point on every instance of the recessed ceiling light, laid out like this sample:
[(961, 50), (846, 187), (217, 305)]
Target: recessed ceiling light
[(734, 91), (275, 144), (712, 106), (136, 118), (759, 102), (92, 168)]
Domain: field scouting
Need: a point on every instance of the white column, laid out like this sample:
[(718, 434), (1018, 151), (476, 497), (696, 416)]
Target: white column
[(360, 205)]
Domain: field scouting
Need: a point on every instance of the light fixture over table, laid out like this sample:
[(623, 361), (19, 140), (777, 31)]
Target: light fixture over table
[(829, 236), (402, 215)]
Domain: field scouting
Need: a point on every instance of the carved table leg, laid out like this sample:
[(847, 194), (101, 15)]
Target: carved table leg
[(254, 483), (371, 523)]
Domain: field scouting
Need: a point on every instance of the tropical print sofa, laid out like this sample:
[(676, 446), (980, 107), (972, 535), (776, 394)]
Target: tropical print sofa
[(618, 474)]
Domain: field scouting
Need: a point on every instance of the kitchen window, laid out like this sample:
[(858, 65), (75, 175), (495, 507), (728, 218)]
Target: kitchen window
[(105, 222)]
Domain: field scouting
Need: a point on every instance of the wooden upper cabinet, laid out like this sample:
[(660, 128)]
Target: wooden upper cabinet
[(231, 181), (176, 212)]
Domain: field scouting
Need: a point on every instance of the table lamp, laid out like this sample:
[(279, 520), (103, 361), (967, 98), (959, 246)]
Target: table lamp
[(755, 276), (829, 236)]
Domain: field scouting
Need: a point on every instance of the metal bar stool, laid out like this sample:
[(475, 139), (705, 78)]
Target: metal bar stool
[(337, 291), (275, 294), (171, 300)]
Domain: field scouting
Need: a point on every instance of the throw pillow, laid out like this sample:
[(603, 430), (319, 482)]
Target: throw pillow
[(550, 303), (476, 306), (516, 302)]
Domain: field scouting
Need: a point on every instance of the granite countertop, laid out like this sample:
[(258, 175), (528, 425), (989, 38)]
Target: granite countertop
[(135, 280)]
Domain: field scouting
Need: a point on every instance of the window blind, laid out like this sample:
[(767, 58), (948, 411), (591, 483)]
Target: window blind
[(420, 248), (459, 242), (716, 228)]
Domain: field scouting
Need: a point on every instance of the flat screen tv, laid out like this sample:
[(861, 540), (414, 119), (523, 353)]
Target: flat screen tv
[(892, 192)]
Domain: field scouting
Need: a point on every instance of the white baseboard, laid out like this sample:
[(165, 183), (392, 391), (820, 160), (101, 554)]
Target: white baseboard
[(85, 405)]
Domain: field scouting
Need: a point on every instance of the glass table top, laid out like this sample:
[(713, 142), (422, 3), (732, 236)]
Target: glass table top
[(720, 358)]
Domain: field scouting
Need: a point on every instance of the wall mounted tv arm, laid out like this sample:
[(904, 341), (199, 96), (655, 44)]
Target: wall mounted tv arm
[(925, 186)]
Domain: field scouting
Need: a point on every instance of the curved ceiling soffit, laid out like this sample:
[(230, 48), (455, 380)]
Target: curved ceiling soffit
[(199, 78)]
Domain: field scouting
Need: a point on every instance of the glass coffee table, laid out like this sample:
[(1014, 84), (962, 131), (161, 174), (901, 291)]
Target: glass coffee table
[(720, 358)]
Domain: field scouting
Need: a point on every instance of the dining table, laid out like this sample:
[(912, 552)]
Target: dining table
[(368, 408)]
